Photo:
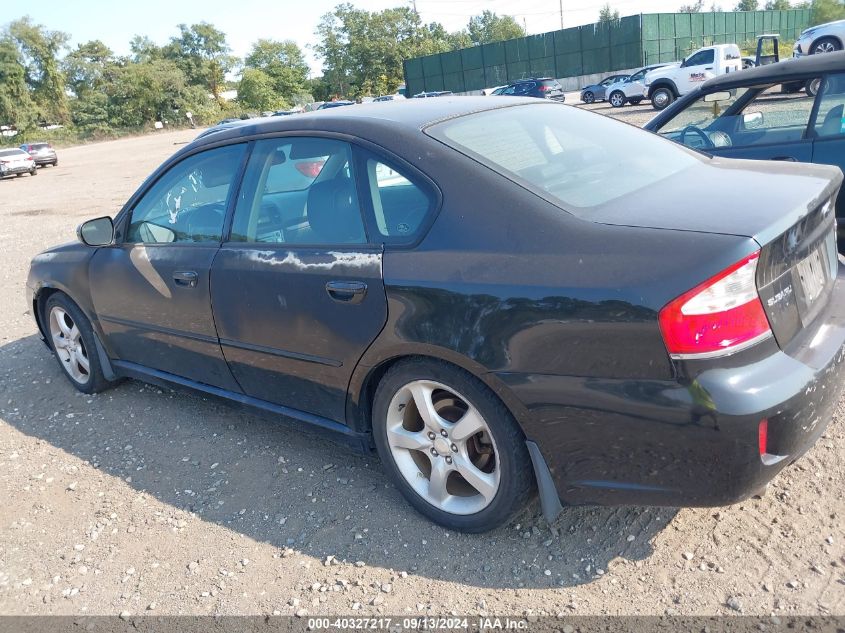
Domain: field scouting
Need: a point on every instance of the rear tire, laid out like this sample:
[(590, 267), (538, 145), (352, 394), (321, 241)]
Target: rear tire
[(589, 97), (34, 171), (661, 98), (617, 99), (812, 86), (72, 340), (826, 45), (458, 457)]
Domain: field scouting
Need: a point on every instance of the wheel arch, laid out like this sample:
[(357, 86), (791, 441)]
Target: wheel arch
[(367, 375), (663, 83), (828, 37), (39, 301)]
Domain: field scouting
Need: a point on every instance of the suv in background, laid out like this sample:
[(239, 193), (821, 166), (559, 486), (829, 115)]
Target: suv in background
[(629, 90), (542, 88), (823, 38), (42, 153)]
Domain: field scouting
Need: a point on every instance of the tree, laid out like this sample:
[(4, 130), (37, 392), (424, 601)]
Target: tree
[(86, 67), (489, 27), (608, 14), (282, 63), (778, 5), (746, 5), (363, 51), (16, 106), (695, 7), (201, 52), (826, 11), (256, 91), (40, 49)]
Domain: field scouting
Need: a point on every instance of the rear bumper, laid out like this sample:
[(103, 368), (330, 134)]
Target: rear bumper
[(44, 160), (11, 171), (620, 442)]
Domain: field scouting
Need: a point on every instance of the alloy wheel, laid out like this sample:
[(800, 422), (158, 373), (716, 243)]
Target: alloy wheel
[(825, 47), (443, 447), (617, 100), (69, 346)]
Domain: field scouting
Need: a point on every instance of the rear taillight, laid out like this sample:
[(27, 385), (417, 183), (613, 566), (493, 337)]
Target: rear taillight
[(763, 437), (543, 88), (720, 316)]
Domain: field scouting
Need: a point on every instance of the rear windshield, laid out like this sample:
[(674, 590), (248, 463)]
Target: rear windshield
[(11, 152), (580, 159), (39, 145)]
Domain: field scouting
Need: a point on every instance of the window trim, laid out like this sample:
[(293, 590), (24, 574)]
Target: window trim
[(416, 178), (123, 219)]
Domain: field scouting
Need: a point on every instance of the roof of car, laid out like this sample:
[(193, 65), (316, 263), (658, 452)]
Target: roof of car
[(787, 70), (413, 113)]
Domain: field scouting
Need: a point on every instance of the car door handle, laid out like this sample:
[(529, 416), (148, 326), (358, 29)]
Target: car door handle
[(187, 278), (709, 68), (347, 291), (791, 159)]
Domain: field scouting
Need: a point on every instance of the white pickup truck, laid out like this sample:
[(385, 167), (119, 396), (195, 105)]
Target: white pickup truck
[(666, 84)]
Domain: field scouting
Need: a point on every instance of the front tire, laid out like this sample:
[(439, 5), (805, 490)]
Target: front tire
[(617, 99), (826, 45), (589, 97), (812, 86), (451, 447), (662, 98), (72, 340)]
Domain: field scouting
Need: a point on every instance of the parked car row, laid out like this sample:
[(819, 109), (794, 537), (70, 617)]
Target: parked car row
[(26, 159)]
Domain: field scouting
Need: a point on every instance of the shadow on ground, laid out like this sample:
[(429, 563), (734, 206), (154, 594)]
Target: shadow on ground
[(272, 482)]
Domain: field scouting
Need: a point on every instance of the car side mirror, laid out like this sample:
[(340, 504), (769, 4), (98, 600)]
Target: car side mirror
[(96, 232), (752, 120)]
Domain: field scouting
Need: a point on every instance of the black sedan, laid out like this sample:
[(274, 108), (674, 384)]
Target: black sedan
[(758, 114), (494, 318)]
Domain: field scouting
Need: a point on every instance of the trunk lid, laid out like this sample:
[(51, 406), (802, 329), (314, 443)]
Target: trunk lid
[(788, 209)]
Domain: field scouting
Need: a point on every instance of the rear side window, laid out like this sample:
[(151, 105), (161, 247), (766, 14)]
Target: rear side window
[(400, 203), (299, 190), (576, 157)]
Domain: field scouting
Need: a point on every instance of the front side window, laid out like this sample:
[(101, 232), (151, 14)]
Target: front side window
[(701, 58), (579, 158), (830, 120), (742, 117), (299, 190), (188, 203)]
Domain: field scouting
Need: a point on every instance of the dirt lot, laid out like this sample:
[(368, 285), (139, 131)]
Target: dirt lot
[(143, 500)]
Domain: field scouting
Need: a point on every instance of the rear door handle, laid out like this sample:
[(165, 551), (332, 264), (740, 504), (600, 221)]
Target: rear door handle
[(791, 159), (187, 278), (347, 291)]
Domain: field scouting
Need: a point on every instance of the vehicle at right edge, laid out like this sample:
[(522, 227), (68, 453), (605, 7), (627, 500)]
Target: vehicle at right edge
[(750, 115)]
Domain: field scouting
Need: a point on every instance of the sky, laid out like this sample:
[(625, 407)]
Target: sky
[(244, 21)]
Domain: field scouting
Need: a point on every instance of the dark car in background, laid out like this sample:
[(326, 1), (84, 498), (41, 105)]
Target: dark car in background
[(42, 153), (335, 104), (542, 88), (494, 318), (753, 114), (16, 162), (598, 92)]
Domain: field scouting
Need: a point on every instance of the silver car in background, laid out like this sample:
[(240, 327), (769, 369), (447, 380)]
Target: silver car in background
[(42, 153), (598, 92), (824, 38)]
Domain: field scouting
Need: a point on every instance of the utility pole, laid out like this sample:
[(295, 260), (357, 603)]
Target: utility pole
[(414, 2), (561, 15)]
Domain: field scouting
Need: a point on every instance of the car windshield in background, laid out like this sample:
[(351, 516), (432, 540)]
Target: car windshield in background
[(582, 159)]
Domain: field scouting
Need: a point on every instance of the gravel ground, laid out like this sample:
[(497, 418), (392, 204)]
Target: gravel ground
[(144, 500)]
